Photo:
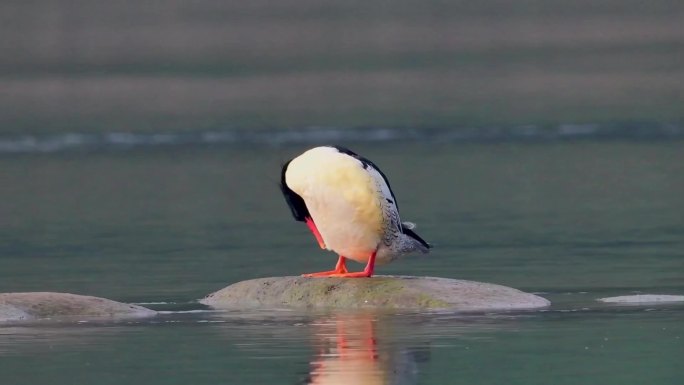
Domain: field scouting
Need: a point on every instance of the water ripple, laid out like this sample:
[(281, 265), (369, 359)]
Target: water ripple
[(50, 143)]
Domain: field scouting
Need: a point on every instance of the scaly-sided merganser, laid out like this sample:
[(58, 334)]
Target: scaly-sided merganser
[(347, 203)]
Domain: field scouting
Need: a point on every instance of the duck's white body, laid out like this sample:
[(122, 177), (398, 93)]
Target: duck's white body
[(351, 204)]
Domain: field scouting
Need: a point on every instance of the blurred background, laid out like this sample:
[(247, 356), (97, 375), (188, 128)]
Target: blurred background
[(523, 68)]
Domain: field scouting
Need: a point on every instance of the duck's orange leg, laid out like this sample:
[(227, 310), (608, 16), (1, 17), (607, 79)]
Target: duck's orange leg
[(366, 273), (340, 268)]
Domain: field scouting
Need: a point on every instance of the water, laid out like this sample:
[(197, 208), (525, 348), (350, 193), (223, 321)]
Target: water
[(537, 144), (573, 221)]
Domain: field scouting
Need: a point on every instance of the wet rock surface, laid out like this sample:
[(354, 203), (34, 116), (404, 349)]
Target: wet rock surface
[(49, 305), (383, 292)]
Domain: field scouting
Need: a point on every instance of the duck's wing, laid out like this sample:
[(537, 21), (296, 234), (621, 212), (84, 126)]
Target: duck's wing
[(389, 203), (375, 171)]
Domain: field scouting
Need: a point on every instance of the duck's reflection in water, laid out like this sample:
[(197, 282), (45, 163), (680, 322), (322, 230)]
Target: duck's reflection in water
[(351, 352)]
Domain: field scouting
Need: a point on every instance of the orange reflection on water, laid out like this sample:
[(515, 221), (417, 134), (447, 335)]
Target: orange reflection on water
[(348, 353)]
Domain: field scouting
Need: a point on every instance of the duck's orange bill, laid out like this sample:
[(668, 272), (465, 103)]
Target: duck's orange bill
[(312, 226)]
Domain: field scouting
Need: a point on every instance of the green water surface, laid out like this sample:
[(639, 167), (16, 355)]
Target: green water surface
[(571, 221)]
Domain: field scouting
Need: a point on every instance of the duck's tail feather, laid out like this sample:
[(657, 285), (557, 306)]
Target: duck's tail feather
[(414, 240), (408, 225)]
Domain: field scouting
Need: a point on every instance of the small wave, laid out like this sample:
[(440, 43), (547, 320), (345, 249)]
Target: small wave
[(641, 299), (187, 311), (312, 135)]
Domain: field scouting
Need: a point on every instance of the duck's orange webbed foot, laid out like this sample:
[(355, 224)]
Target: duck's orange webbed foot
[(356, 274), (340, 268)]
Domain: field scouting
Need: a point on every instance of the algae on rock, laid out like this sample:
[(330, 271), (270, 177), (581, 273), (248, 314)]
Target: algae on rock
[(383, 292)]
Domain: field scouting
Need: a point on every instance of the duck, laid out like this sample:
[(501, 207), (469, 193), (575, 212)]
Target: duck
[(349, 206)]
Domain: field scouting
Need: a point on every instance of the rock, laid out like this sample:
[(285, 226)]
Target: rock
[(641, 299), (384, 292), (41, 305), (11, 313)]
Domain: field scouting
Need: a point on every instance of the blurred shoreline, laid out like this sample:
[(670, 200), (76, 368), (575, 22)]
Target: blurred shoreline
[(66, 142), (97, 67)]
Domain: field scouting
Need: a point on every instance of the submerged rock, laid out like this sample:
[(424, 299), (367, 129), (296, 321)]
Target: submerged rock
[(41, 305), (12, 313), (643, 299), (384, 292)]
